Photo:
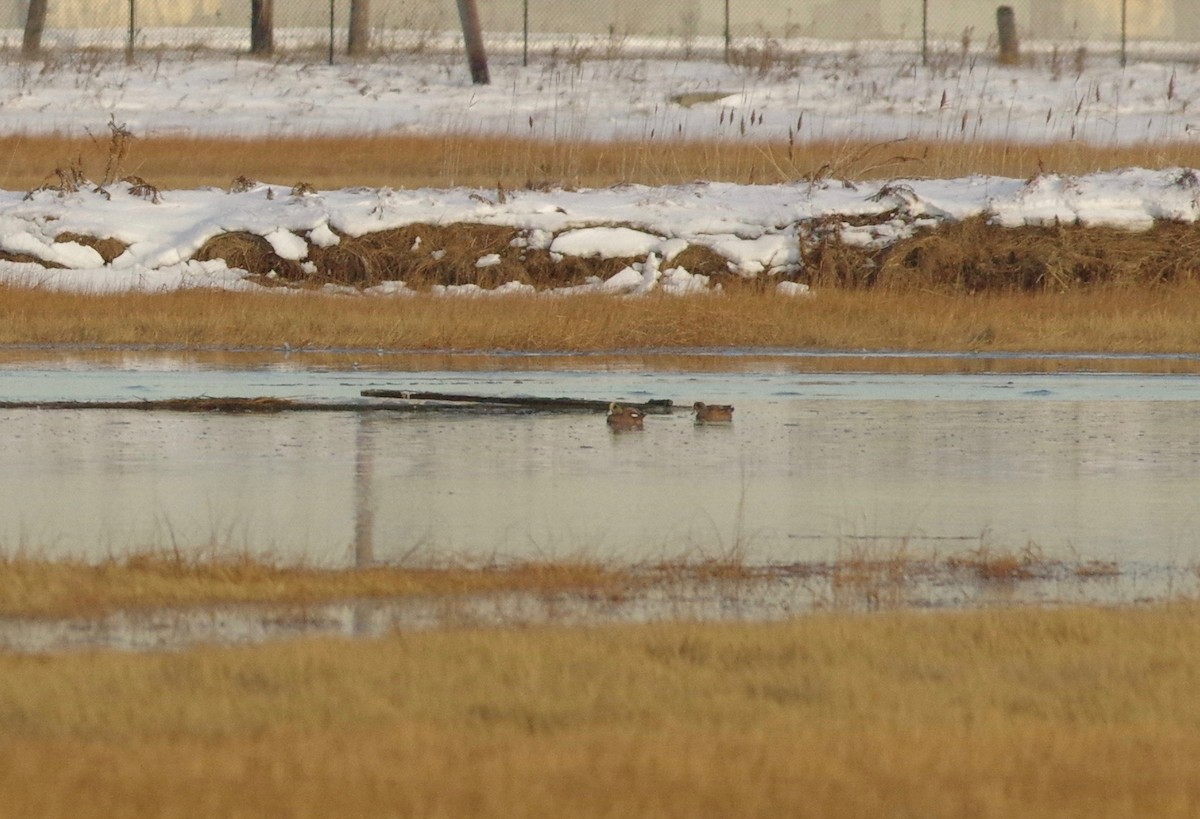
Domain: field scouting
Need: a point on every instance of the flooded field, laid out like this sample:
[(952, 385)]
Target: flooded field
[(1081, 464)]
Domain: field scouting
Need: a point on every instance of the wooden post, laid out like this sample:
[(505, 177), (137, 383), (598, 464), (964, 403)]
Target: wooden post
[(468, 14), (1124, 55), (35, 21), (360, 28), (1006, 23), (262, 28), (132, 31), (728, 33), (924, 32)]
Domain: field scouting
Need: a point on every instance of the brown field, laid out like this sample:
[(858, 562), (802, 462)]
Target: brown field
[(1003, 713)]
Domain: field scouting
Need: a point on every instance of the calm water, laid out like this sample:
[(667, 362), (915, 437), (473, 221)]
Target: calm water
[(1087, 465)]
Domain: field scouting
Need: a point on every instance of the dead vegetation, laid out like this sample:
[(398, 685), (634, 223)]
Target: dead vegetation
[(874, 575), (426, 255), (218, 575), (453, 160), (975, 256), (1094, 319), (972, 256), (1035, 713)]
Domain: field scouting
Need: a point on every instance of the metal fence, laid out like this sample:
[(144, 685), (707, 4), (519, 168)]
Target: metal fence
[(614, 28)]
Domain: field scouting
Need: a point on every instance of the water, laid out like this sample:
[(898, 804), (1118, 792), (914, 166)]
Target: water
[(830, 457), (1087, 465)]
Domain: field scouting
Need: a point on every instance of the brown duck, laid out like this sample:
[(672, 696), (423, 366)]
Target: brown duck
[(713, 413), (620, 417)]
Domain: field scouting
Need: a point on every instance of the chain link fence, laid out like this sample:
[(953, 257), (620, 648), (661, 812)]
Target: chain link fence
[(533, 29)]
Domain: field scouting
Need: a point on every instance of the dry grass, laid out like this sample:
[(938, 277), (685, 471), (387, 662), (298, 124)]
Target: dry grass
[(1029, 713), (965, 257), (863, 575), (33, 587), (1112, 319), (454, 160), (974, 256)]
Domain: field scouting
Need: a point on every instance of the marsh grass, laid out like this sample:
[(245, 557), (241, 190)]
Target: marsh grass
[(454, 160), (1032, 713), (863, 574), (1101, 319), (179, 577), (988, 563)]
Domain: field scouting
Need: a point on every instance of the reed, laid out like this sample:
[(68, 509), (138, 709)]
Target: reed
[(1158, 319), (1033, 713)]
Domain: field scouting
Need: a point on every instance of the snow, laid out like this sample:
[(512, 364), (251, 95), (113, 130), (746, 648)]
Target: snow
[(756, 229)]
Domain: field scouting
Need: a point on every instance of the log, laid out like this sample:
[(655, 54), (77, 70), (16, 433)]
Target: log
[(267, 404), (226, 405), (656, 406)]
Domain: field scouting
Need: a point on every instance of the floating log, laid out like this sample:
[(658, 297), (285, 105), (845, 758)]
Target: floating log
[(206, 404), (267, 404), (656, 406)]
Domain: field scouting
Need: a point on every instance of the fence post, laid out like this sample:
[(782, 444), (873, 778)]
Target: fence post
[(924, 32), (728, 34), (468, 15), (1123, 60), (132, 30), (262, 28), (35, 21), (360, 27), (1006, 23)]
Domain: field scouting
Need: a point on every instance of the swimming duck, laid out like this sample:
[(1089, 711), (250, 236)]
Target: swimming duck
[(713, 413), (620, 417)]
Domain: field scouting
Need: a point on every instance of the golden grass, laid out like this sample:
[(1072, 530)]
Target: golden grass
[(33, 587), (872, 575), (1031, 713), (1108, 319), (461, 160)]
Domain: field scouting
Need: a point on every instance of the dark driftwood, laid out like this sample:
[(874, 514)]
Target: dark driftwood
[(658, 406), (464, 403), (206, 404)]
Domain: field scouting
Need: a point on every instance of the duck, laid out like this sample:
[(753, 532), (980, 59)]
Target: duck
[(713, 413), (620, 417)]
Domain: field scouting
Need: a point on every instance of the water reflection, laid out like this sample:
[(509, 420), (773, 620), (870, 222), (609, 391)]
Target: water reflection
[(364, 495)]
